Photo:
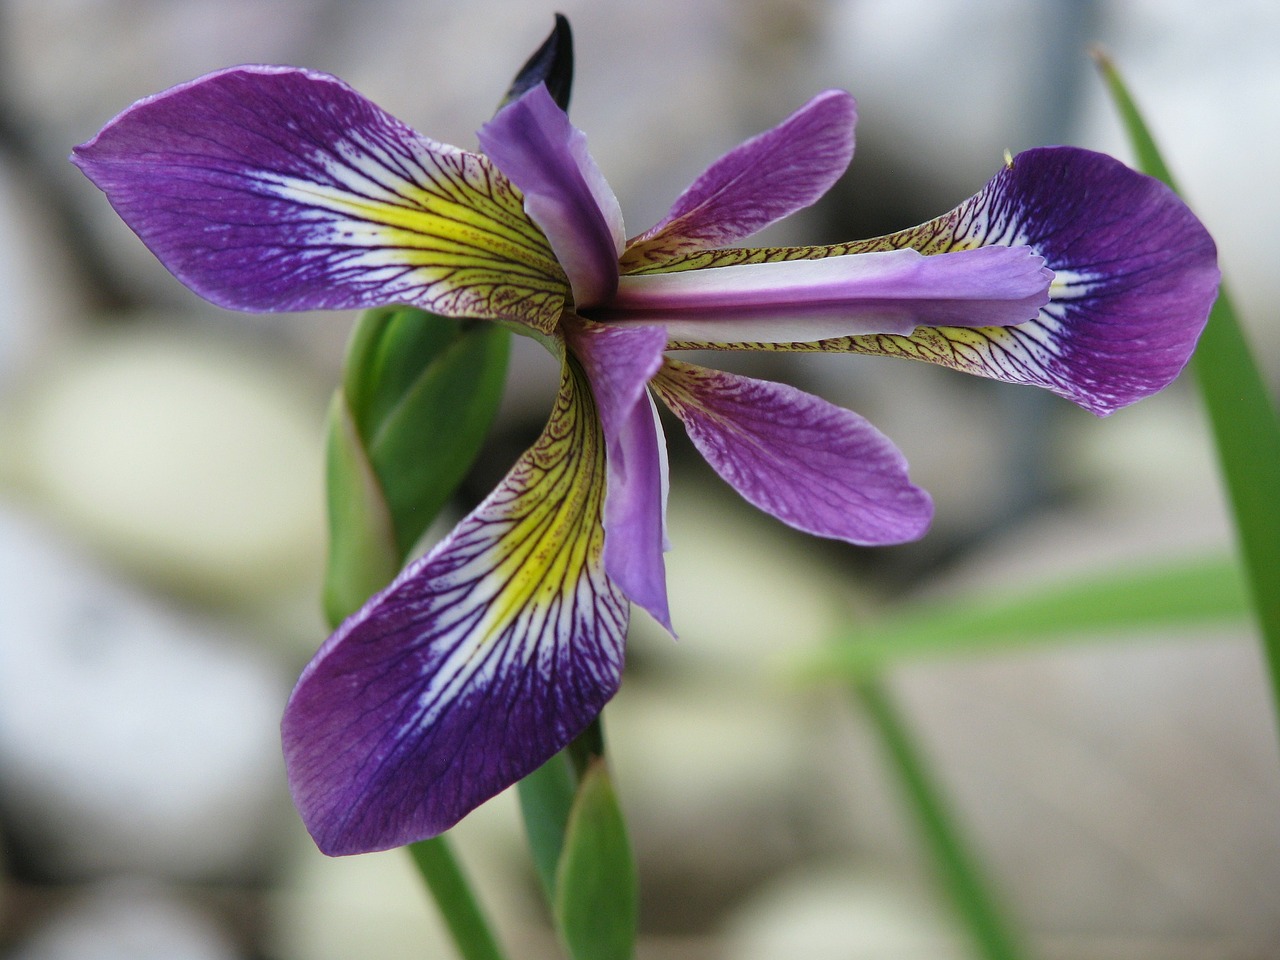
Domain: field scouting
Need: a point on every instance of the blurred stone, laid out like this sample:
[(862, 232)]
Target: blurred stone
[(131, 739), (376, 905), (1123, 789), (829, 913), (189, 460), (367, 906), (746, 592), (713, 779), (128, 920), (945, 138)]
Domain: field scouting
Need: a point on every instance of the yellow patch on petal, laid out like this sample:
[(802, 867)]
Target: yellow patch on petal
[(530, 559), (448, 230)]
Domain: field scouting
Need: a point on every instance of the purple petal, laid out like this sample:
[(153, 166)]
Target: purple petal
[(813, 465), (796, 300), (533, 143), (478, 664), (1135, 276), (271, 188), (619, 363), (769, 177)]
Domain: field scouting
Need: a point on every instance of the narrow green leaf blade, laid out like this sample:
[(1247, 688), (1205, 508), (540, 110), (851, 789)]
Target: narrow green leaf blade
[(1243, 415), (596, 897), (958, 869), (425, 445), (461, 912), (1116, 602), (423, 391), (363, 555), (546, 801), (389, 349)]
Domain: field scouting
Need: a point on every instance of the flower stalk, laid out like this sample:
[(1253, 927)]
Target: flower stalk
[(957, 866), (461, 911)]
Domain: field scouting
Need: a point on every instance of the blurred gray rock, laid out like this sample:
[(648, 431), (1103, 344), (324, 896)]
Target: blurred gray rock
[(837, 913), (193, 460), (132, 739), (127, 920)]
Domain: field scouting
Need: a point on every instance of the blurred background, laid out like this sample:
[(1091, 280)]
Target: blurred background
[(162, 525)]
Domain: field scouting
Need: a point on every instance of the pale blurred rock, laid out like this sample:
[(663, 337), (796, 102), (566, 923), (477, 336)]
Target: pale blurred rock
[(713, 778), (746, 593), (128, 920), (131, 739), (1124, 789), (376, 905), (367, 906), (194, 462), (832, 913)]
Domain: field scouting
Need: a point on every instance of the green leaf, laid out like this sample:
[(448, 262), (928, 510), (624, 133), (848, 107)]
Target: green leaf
[(595, 901), (419, 393), (546, 801), (1121, 601), (423, 391), (362, 548), (1243, 415)]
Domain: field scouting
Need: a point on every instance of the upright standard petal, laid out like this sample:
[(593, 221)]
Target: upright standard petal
[(273, 188), (619, 362), (892, 291), (765, 179), (1135, 274), (535, 146), (815, 466), (479, 663)]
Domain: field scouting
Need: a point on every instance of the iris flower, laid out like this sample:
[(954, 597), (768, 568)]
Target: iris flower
[(274, 189)]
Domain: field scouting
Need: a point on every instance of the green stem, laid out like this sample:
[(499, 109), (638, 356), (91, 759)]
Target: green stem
[(458, 906), (956, 864)]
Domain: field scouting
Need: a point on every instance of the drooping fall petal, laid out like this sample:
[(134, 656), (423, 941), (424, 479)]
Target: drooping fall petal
[(765, 179), (273, 188), (815, 466), (1135, 274), (619, 362), (481, 661), (533, 143), (892, 291)]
